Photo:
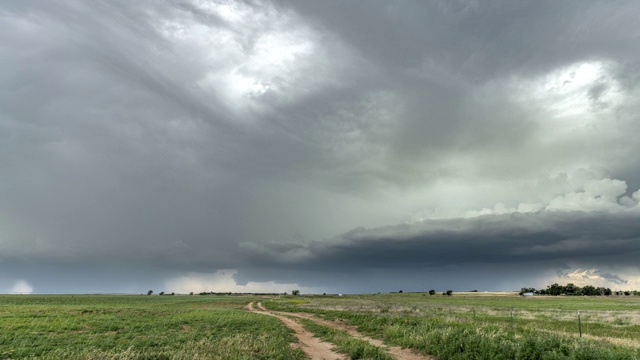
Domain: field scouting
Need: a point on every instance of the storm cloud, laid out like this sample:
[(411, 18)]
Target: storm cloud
[(329, 146), (512, 239)]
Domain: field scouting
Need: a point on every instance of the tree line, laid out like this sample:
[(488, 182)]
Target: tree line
[(572, 289)]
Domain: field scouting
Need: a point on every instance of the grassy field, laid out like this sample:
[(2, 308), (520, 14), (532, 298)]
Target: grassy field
[(462, 326), (138, 327), (489, 326)]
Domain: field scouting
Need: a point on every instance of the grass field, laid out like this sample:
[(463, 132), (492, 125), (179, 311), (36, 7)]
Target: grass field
[(138, 327), (489, 326), (462, 326)]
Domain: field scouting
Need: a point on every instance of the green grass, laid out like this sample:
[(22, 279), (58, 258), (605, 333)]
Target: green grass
[(479, 326), (463, 326), (139, 327)]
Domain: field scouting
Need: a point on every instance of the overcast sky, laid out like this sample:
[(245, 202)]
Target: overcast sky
[(326, 146)]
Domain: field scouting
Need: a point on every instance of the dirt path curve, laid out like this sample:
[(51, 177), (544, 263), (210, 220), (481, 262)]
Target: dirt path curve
[(395, 351), (311, 345)]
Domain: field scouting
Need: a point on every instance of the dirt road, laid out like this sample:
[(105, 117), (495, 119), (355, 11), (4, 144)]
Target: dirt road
[(397, 352), (314, 347)]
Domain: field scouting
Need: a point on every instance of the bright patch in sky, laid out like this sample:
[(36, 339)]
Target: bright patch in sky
[(573, 94), (580, 74), (252, 59), (21, 287), (223, 281)]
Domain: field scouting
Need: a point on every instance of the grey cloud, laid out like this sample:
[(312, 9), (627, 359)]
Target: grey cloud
[(455, 50), (108, 151), (480, 40)]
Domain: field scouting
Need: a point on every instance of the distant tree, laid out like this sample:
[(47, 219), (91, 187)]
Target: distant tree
[(149, 292), (161, 293), (295, 292), (627, 293), (432, 292), (571, 289), (400, 291), (589, 290), (449, 292), (173, 293), (191, 293), (555, 289), (603, 291)]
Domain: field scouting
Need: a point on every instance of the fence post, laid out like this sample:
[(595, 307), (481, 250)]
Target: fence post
[(579, 324), (511, 319)]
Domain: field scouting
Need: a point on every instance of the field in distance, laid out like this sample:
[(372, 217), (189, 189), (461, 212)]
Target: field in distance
[(461, 326)]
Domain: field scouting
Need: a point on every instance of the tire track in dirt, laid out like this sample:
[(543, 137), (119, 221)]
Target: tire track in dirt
[(396, 351), (311, 345)]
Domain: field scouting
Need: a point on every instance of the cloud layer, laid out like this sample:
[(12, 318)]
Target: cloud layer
[(294, 140), (535, 239)]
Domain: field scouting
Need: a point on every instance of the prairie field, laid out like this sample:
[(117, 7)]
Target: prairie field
[(461, 326), (138, 327), (489, 325)]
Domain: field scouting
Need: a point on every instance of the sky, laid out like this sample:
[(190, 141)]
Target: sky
[(324, 146)]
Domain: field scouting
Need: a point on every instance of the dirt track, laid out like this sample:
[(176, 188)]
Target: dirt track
[(317, 349), (314, 347)]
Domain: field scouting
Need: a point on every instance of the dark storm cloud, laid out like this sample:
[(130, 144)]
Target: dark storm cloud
[(509, 239), (490, 252)]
